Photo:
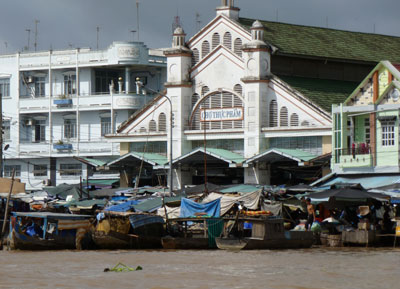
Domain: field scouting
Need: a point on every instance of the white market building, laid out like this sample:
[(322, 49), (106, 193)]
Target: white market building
[(59, 105)]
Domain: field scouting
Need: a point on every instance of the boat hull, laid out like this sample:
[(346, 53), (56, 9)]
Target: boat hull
[(185, 243), (115, 240), (20, 241), (296, 241)]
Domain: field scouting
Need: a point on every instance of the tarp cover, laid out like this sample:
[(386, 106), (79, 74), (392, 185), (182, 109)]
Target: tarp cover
[(142, 220), (192, 209), (151, 205), (250, 200), (123, 207)]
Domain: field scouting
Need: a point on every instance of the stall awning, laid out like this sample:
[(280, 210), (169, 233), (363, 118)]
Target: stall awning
[(278, 154), (133, 158), (368, 182), (91, 162), (216, 155)]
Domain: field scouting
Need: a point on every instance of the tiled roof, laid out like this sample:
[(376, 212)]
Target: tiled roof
[(328, 43), (323, 92)]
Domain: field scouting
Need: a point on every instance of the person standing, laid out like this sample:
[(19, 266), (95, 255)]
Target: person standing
[(311, 214)]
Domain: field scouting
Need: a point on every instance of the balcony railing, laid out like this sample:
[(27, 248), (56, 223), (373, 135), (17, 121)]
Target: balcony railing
[(356, 156)]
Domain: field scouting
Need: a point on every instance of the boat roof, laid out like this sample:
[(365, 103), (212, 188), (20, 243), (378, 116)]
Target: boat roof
[(50, 215)]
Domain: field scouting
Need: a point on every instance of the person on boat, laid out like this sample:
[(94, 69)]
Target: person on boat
[(311, 214)]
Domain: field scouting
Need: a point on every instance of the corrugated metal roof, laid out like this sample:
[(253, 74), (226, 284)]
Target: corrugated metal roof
[(274, 153), (151, 158), (368, 182), (222, 154)]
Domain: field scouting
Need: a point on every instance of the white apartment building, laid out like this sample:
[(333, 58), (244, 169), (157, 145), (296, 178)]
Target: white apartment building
[(58, 105)]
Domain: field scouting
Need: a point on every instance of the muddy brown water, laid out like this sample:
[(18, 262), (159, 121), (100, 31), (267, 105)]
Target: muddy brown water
[(310, 268)]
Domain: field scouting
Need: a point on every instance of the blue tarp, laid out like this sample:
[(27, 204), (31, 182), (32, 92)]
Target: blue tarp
[(190, 208), (141, 220), (123, 207)]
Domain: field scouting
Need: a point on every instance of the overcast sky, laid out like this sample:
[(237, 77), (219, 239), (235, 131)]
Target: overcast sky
[(72, 23)]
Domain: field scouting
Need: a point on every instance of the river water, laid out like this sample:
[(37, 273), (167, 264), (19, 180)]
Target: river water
[(310, 268)]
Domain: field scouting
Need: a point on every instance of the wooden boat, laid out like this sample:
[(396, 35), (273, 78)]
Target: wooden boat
[(193, 233), (47, 231), (129, 231), (262, 233)]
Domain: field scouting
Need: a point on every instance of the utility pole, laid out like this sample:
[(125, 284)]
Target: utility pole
[(1, 135), (137, 19), (36, 33), (97, 30), (29, 38)]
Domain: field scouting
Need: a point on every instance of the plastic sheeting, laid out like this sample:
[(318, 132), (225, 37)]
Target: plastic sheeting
[(250, 200), (123, 207), (192, 209), (142, 220), (172, 212)]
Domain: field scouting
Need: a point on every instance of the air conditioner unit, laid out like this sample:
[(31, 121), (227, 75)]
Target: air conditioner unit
[(46, 182)]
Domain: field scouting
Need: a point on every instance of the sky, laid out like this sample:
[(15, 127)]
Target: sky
[(73, 23)]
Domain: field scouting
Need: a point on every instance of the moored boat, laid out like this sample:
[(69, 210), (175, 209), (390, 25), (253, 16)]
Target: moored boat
[(262, 233), (128, 231), (47, 231)]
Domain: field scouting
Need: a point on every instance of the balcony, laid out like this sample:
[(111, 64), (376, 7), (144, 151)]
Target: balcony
[(357, 156), (63, 102)]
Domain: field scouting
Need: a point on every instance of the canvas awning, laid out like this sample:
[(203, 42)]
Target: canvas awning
[(213, 156), (279, 154), (136, 158)]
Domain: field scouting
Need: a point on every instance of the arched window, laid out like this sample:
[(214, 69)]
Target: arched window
[(204, 90), (283, 117), (228, 40), (294, 119), (142, 129), (205, 48), (237, 47), (238, 89), (162, 122), (195, 56), (195, 98), (215, 40), (273, 113), (152, 125), (305, 123)]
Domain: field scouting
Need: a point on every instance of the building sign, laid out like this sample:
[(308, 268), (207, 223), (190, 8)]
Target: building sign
[(220, 114), (128, 52)]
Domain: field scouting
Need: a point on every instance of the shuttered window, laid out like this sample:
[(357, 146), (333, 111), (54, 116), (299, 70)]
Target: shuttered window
[(205, 48), (238, 89), (283, 118), (237, 47), (228, 40), (273, 114), (152, 125), (215, 41), (195, 56), (294, 119), (162, 122)]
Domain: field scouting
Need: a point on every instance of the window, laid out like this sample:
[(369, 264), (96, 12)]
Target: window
[(204, 90), (215, 40), (311, 144), (103, 81), (69, 84), (6, 130), (305, 123), (238, 89), (195, 56), (273, 114), (283, 121), (40, 170), (228, 40), (237, 47), (70, 169), (152, 125), (162, 122), (294, 119), (69, 128), (105, 125), (9, 169), (5, 87), (205, 48), (40, 131), (337, 133), (387, 133), (159, 147), (40, 84)]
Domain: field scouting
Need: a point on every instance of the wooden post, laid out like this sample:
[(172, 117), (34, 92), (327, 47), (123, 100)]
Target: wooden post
[(166, 214), (7, 205)]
